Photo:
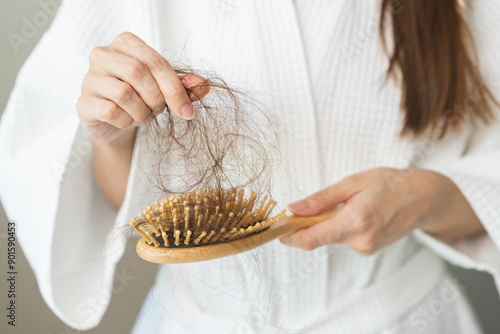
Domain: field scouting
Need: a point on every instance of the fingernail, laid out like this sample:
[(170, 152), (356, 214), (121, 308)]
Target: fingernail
[(187, 112), (298, 206)]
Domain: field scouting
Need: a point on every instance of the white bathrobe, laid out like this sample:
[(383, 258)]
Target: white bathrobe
[(321, 68)]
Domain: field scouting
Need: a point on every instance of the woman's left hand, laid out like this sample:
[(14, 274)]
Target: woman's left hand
[(381, 206)]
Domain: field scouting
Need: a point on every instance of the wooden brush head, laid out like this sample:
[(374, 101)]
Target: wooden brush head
[(203, 218)]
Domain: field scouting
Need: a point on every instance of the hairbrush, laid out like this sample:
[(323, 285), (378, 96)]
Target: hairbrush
[(210, 224)]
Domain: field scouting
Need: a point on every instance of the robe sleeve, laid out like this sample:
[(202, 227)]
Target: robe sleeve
[(477, 171), (68, 232)]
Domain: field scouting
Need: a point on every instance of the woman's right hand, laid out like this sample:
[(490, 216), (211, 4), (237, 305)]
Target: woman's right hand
[(126, 83)]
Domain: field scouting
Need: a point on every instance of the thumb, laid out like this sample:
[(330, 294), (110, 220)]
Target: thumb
[(325, 199)]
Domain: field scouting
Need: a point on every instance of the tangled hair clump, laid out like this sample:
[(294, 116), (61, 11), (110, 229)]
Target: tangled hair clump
[(230, 143)]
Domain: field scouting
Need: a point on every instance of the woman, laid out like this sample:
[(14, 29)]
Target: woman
[(376, 267)]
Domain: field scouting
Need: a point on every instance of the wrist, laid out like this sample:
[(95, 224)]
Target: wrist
[(453, 217), (123, 142)]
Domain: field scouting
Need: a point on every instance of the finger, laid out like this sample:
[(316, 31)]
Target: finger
[(330, 231), (366, 233), (301, 239), (364, 244), (165, 76), (119, 92), (326, 198), (107, 111), (131, 71), (376, 236), (196, 86)]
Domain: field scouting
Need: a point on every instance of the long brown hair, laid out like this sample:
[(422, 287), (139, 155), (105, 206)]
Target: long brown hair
[(434, 54)]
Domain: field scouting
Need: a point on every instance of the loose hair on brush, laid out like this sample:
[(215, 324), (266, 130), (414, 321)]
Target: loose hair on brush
[(219, 165)]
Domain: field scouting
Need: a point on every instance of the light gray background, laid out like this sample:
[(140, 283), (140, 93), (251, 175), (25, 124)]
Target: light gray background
[(33, 316)]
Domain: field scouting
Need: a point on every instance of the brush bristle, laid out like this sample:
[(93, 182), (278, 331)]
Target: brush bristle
[(204, 217)]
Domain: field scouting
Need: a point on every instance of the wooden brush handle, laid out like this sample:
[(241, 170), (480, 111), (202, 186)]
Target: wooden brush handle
[(284, 226)]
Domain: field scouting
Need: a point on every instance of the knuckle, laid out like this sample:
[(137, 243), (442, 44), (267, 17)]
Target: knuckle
[(134, 70), (111, 111), (382, 170), (349, 181), (97, 54), (125, 122), (159, 104), (156, 101), (124, 94), (143, 116), (80, 105), (125, 38), (365, 221), (86, 81), (158, 64), (365, 253), (369, 243)]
